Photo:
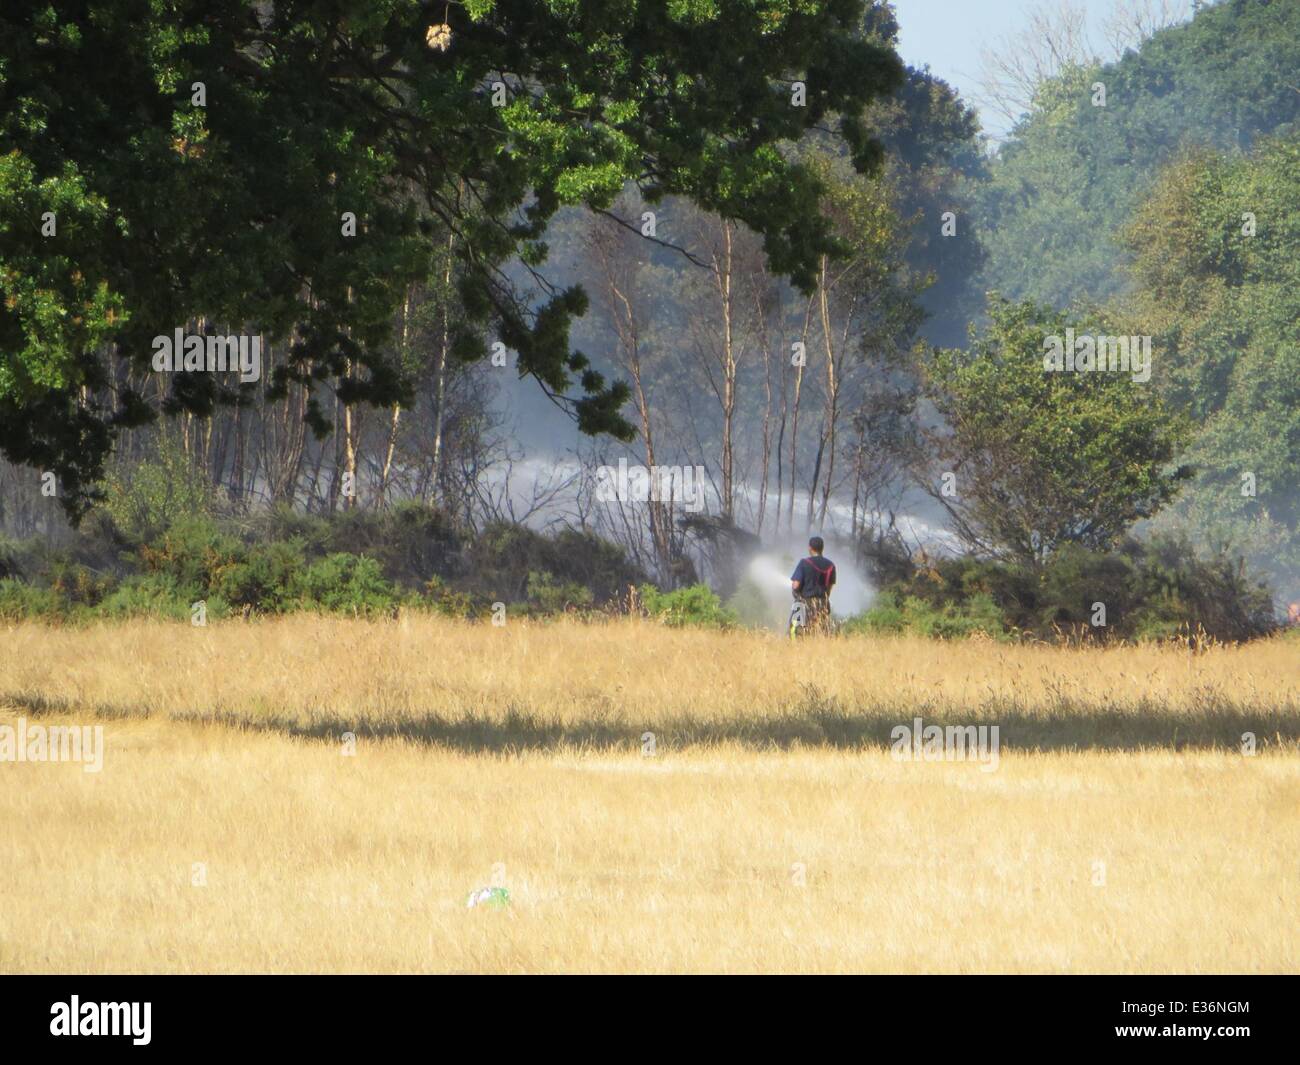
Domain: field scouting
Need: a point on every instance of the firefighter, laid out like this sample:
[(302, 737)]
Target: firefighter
[(811, 584)]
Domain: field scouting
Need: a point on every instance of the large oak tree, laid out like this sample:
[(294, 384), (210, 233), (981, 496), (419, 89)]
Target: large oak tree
[(197, 158)]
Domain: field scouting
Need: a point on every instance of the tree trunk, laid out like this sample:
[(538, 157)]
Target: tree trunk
[(441, 381)]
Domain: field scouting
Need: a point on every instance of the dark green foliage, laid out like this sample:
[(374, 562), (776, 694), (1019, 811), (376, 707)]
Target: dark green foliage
[(934, 161), (898, 614), (364, 563), (411, 542), (170, 212), (548, 596), (694, 605), (345, 584), (196, 555), (1044, 458), (1072, 173), (19, 600), (157, 595), (1154, 590), (503, 560), (267, 578), (1229, 301)]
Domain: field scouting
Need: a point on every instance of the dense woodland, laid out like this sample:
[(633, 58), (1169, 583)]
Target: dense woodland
[(836, 307)]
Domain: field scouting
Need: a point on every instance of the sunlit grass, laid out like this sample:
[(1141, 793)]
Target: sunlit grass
[(1123, 829)]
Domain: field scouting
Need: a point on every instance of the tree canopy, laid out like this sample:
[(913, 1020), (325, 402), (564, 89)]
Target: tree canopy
[(193, 161), (1039, 459), (1215, 271), (1074, 169)]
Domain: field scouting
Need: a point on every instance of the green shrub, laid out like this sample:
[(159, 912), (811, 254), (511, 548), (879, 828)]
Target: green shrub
[(884, 616), (19, 601), (147, 499), (345, 584), (499, 562), (695, 605), (264, 580), (280, 560), (982, 614), (1154, 625), (195, 553), (157, 595), (1152, 590), (77, 585), (442, 600), (548, 596), (912, 614)]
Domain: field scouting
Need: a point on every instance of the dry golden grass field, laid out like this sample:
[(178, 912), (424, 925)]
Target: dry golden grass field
[(766, 826)]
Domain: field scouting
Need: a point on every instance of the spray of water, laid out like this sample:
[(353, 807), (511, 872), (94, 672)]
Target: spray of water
[(770, 573)]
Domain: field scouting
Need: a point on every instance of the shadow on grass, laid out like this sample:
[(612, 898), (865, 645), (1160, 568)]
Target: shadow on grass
[(811, 724)]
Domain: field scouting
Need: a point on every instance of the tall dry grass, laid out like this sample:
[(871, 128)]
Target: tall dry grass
[(771, 831), (521, 685)]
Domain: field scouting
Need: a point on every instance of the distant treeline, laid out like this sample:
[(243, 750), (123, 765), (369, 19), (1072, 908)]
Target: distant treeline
[(875, 355)]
